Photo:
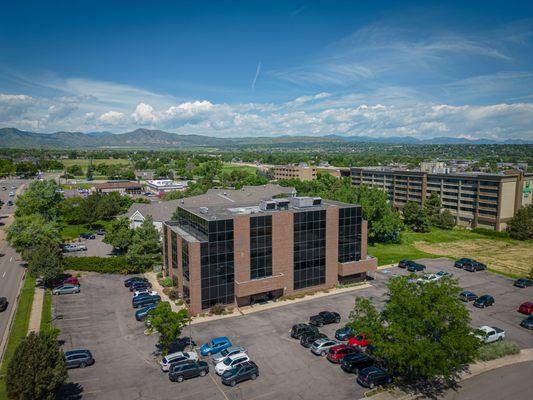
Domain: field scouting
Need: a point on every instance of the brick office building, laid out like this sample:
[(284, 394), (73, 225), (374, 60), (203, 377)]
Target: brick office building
[(240, 246)]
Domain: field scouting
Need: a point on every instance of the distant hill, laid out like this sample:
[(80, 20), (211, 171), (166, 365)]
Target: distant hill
[(157, 139)]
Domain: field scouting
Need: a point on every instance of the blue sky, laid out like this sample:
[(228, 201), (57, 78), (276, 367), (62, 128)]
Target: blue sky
[(266, 68)]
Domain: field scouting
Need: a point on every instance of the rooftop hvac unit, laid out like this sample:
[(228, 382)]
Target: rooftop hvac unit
[(267, 205), (282, 204), (317, 201), (203, 210), (303, 201)]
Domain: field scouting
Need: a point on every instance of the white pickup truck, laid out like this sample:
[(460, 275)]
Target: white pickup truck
[(489, 334)]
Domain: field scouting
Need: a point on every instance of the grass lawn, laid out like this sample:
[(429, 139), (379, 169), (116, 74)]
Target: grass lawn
[(246, 168), (502, 255), (69, 232), (84, 162), (19, 328), (46, 314)]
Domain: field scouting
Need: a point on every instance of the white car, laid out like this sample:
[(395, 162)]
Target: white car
[(490, 334), (216, 358), (229, 362), (177, 357), (428, 278), (11, 194), (150, 292)]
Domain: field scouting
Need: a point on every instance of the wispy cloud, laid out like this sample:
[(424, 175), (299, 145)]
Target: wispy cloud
[(257, 72)]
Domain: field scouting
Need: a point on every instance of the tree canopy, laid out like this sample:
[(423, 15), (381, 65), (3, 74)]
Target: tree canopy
[(41, 197), (521, 225), (31, 230), (119, 235), (145, 248), (415, 217), (168, 323), (45, 260)]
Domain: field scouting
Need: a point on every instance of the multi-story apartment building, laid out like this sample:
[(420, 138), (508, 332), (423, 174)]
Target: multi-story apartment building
[(234, 247), (302, 172), (475, 199)]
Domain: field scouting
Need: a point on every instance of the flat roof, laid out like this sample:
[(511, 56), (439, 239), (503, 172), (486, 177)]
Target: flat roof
[(473, 175), (117, 185)]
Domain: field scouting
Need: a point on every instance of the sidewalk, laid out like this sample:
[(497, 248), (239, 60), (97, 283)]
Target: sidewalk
[(34, 325), (478, 368), (152, 278)]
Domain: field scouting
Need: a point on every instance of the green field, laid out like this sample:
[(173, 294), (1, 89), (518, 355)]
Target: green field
[(231, 167), (84, 162), (69, 232), (19, 328)]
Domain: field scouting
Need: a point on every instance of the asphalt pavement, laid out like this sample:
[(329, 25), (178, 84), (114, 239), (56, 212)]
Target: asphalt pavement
[(11, 271)]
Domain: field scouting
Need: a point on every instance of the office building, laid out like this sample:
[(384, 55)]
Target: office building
[(302, 172), (235, 247), (162, 186), (474, 199)]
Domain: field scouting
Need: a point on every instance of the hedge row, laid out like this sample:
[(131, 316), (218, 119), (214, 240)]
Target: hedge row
[(491, 233), (107, 265)]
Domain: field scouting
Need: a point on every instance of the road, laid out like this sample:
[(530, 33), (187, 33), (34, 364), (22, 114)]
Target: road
[(511, 382), (11, 271)]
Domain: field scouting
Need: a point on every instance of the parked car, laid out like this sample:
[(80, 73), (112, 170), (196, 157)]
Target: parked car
[(467, 296), (355, 362), (215, 346), (428, 278), (321, 347), (175, 358), (461, 262), (298, 330), (66, 289), (373, 376), (87, 235), (403, 263), (144, 291), (484, 301), (140, 285), (73, 247), (442, 274), (307, 339), (415, 267), (3, 304), (337, 353), (324, 318), (78, 358), (359, 341), (231, 351), (141, 314), (523, 283), (489, 334), (526, 308), (11, 194), (242, 372), (72, 280), (230, 362), (344, 333), (128, 282), (527, 322), (474, 266), (140, 302), (10, 203), (183, 371)]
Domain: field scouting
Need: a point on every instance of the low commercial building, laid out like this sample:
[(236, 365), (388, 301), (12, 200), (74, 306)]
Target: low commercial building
[(160, 211), (475, 199), (162, 186), (235, 247), (122, 187), (302, 172)]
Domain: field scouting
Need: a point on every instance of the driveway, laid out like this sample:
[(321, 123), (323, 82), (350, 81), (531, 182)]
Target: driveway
[(101, 318), (95, 248)]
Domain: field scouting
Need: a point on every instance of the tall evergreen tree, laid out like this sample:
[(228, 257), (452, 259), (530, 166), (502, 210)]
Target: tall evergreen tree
[(145, 249)]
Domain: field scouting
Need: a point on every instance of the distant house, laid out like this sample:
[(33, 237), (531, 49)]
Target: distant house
[(162, 186), (160, 211), (122, 187)]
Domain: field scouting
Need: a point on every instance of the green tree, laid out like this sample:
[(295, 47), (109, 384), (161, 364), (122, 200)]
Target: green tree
[(415, 217), (119, 235), (145, 248), (41, 197), (7, 167), (45, 261), (75, 170), (423, 331), (30, 230), (26, 169), (72, 210), (443, 220), (521, 225), (168, 323), (37, 369), (433, 204)]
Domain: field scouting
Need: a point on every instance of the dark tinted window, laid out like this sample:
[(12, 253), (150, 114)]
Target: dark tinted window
[(260, 247), (349, 234)]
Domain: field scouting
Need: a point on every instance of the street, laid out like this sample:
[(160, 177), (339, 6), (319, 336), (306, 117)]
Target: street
[(11, 271)]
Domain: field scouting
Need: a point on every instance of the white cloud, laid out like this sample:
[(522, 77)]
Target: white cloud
[(111, 117), (144, 114)]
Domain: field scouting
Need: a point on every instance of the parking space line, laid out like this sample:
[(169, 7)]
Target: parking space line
[(218, 387), (74, 319)]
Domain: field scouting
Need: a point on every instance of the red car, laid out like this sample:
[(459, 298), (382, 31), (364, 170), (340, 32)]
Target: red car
[(72, 280), (337, 353), (359, 341), (526, 308)]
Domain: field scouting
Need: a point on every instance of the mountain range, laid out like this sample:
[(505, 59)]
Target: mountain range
[(157, 139)]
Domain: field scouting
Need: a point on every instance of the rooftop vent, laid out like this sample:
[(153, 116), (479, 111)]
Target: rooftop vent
[(305, 201), (282, 204), (267, 205)]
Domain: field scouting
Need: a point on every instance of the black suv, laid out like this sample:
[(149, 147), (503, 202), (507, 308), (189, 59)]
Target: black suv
[(3, 303), (324, 318), (523, 283), (141, 301), (467, 296), (128, 282), (140, 285), (404, 263), (372, 376), (299, 329), (355, 362), (415, 267), (307, 339), (186, 370), (242, 372), (474, 266), (462, 262), (484, 301)]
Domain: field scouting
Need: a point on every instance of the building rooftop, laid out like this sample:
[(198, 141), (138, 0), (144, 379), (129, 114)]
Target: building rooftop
[(118, 185), (159, 210), (228, 203), (503, 174)]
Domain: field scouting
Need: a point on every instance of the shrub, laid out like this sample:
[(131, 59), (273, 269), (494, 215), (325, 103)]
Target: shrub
[(179, 302), (174, 294), (490, 233), (496, 350), (218, 309), (107, 265), (159, 275), (166, 282)]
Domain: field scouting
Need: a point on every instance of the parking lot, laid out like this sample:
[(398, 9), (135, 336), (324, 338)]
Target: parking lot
[(101, 319), (95, 248)]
